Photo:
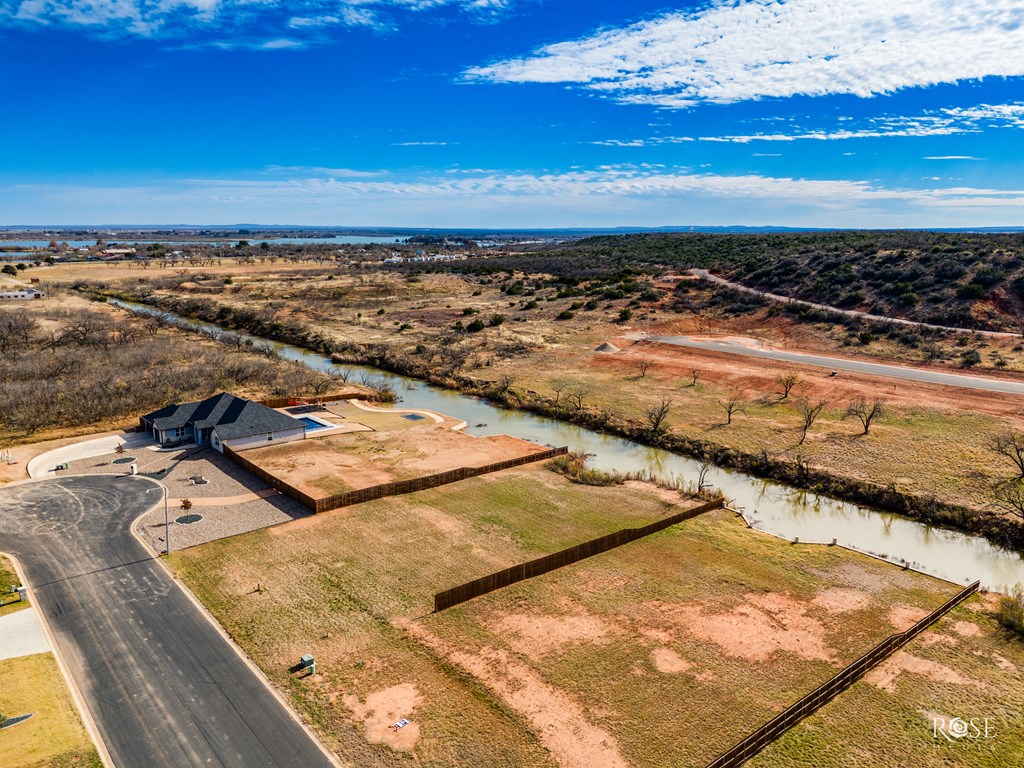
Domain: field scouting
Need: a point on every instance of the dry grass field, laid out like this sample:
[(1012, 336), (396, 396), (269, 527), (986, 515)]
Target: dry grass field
[(662, 652), (54, 737), (334, 463), (933, 439)]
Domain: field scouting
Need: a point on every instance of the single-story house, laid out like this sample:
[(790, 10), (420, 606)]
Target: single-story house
[(223, 420), (22, 293)]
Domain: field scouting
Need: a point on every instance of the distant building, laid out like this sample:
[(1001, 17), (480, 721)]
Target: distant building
[(22, 293), (222, 420)]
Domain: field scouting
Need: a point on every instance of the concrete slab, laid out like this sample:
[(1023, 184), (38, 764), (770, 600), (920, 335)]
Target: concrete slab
[(43, 464), (21, 634)]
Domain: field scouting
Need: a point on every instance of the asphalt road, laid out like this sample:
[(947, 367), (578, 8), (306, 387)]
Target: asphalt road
[(840, 364), (164, 687)]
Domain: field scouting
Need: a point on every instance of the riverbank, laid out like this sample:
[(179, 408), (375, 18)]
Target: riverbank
[(795, 472)]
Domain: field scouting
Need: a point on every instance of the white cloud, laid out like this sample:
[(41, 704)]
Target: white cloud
[(424, 143), (943, 122), (951, 157), (737, 50), (184, 18), (607, 196)]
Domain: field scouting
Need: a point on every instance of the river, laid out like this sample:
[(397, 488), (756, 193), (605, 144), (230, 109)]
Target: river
[(768, 506)]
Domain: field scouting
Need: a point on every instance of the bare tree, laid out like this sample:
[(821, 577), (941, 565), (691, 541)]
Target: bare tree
[(786, 382), (864, 412), (504, 383), (558, 386), (1011, 445), (809, 413), (576, 396), (1010, 497), (732, 403), (644, 366), (694, 375), (657, 417), (702, 475)]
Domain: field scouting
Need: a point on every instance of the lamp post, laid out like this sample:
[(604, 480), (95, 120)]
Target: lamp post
[(167, 520)]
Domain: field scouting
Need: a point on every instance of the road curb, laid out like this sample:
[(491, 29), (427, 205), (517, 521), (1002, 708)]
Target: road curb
[(76, 695), (260, 675)]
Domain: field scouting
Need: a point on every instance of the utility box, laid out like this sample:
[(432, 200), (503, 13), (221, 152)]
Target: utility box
[(22, 594), (134, 468), (308, 662)]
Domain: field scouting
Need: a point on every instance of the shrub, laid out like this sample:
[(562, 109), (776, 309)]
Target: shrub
[(574, 466), (1010, 612), (476, 326), (565, 314)]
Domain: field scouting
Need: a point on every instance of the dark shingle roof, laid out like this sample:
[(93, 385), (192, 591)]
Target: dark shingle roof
[(232, 416)]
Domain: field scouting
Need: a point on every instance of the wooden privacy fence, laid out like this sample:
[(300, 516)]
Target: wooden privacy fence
[(386, 489), (541, 565), (824, 693), (430, 481), (274, 482), (284, 402)]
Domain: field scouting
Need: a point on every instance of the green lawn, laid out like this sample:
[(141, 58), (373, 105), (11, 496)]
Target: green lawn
[(54, 737)]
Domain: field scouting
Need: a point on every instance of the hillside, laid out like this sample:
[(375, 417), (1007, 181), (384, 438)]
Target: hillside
[(969, 280)]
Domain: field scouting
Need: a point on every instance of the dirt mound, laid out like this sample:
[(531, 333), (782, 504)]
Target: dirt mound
[(607, 347)]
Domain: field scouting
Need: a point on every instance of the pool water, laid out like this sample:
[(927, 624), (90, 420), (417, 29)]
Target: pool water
[(312, 424)]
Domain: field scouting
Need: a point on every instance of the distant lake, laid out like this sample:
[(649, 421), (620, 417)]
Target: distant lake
[(340, 239)]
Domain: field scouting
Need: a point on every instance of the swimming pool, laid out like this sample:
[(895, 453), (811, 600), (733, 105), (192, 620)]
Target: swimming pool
[(312, 424)]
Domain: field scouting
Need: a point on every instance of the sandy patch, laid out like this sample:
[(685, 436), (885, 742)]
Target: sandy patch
[(668, 661), (1004, 663), (886, 674), (383, 708), (903, 617), (757, 629), (538, 636), (841, 600), (558, 719), (966, 629)]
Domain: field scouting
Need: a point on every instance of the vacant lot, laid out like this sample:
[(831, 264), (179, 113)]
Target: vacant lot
[(54, 736), (662, 652), (966, 666), (321, 466)]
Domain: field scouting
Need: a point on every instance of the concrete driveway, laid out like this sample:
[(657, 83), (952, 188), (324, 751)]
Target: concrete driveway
[(163, 685)]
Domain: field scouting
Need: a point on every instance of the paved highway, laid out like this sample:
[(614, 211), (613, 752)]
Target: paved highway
[(926, 375), (165, 688)]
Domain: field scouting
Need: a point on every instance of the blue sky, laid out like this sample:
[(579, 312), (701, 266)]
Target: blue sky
[(513, 113)]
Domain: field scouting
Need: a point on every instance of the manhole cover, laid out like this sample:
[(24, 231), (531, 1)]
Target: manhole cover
[(188, 519), (124, 460)]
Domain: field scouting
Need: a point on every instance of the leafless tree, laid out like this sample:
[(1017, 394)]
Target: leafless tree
[(702, 475), (558, 386), (1011, 445), (809, 413), (644, 366), (732, 403), (504, 384), (576, 396), (657, 417), (694, 375), (865, 412), (1010, 497), (786, 382)]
